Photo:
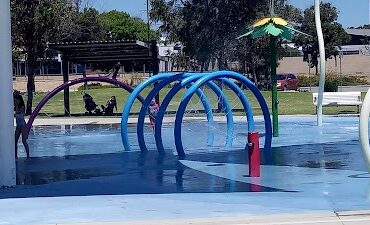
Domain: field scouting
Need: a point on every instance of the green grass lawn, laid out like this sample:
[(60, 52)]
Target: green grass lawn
[(290, 103)]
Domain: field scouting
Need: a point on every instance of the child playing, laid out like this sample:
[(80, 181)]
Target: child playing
[(19, 108), (153, 111)]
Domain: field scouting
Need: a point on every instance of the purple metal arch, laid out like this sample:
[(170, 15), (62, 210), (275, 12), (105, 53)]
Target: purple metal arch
[(71, 83)]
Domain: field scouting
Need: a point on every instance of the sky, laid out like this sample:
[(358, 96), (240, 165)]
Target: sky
[(351, 12)]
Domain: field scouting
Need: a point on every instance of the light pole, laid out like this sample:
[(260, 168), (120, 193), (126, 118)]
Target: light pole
[(273, 65), (322, 62), (7, 154), (147, 17)]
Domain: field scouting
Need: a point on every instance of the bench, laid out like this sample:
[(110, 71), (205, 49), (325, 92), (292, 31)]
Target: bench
[(339, 99)]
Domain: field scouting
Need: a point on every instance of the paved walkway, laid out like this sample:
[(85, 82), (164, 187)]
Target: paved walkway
[(132, 120), (319, 218), (106, 120)]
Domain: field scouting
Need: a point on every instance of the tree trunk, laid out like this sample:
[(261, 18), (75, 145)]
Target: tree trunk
[(255, 80), (31, 63), (202, 67), (172, 64), (84, 76), (244, 67)]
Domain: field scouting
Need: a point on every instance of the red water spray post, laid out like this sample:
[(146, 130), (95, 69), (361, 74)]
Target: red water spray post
[(254, 154)]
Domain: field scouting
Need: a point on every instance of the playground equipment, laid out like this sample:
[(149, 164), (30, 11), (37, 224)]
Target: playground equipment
[(128, 104), (364, 129), (71, 83), (193, 81), (186, 79)]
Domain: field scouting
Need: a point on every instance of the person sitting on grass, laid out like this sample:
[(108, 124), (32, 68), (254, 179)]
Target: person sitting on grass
[(90, 105), (19, 111), (110, 106)]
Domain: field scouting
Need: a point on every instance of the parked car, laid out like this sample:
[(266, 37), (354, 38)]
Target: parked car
[(287, 82)]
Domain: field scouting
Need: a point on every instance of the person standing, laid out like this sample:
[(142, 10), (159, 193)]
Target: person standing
[(153, 111), (19, 109)]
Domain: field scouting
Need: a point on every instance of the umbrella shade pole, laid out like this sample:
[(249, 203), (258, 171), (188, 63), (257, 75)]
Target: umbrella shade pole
[(275, 102)]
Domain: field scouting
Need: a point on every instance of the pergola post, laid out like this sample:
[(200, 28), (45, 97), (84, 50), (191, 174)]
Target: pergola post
[(65, 71), (7, 148), (84, 76)]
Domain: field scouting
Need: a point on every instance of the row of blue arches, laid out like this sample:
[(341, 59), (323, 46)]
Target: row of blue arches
[(193, 83)]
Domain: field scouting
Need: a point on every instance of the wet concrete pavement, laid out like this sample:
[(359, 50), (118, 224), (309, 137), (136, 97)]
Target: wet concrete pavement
[(85, 176)]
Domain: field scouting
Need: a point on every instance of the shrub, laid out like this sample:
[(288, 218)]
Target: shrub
[(331, 84), (96, 86), (305, 81), (352, 80)]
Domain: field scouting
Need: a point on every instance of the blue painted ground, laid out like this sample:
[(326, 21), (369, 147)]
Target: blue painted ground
[(309, 169)]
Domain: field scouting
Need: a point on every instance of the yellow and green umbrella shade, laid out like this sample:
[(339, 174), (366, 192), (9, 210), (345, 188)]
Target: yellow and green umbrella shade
[(274, 26)]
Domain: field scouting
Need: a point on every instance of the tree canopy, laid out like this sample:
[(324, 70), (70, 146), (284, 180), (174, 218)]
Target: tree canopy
[(37, 22), (208, 29), (334, 34), (34, 23), (118, 25), (205, 28)]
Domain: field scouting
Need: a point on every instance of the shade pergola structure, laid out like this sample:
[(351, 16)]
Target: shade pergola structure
[(124, 51)]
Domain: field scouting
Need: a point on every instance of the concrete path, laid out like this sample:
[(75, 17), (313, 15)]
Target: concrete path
[(39, 121), (104, 120), (319, 218)]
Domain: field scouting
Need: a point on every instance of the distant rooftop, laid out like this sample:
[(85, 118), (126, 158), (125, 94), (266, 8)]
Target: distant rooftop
[(358, 32)]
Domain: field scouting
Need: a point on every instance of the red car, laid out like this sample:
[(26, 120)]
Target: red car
[(287, 82)]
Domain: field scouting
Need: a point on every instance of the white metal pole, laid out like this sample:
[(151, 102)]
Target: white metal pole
[(322, 62), (364, 129), (340, 70), (7, 155)]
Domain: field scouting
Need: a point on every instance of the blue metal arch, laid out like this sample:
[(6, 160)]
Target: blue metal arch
[(158, 87), (166, 101), (130, 101), (154, 92), (162, 76), (243, 98), (221, 74)]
